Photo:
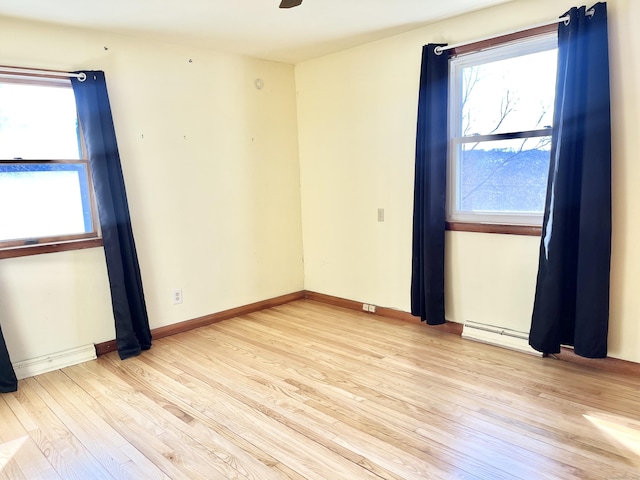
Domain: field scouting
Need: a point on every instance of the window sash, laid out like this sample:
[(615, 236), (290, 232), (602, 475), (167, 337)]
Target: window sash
[(86, 199), (541, 132)]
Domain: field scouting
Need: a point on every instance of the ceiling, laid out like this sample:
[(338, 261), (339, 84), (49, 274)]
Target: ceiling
[(257, 28)]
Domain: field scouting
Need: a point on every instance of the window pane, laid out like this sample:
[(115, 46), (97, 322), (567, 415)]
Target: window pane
[(510, 95), (38, 122), (504, 176), (44, 200)]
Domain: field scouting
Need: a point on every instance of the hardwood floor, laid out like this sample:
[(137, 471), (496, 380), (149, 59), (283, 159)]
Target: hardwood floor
[(307, 390)]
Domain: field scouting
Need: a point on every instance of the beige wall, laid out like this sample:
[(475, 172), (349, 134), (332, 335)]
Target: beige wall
[(211, 168), (357, 120)]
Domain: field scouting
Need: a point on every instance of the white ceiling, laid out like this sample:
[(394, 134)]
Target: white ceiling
[(256, 28)]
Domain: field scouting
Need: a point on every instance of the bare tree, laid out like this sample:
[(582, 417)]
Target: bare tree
[(508, 105)]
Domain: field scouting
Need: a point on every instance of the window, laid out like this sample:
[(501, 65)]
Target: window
[(46, 196), (501, 114)]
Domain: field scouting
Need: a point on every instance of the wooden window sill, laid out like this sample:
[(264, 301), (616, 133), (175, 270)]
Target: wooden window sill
[(528, 230), (24, 251)]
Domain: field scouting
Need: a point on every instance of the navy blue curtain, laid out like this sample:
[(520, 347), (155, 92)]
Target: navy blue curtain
[(427, 276), (129, 308), (571, 304), (8, 380)]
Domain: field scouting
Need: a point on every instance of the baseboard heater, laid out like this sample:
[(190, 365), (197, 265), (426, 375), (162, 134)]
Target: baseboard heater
[(499, 336), (54, 361)]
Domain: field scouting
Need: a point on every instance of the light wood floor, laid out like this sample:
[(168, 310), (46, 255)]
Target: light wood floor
[(306, 390)]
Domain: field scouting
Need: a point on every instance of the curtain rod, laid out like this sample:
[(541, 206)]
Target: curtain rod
[(566, 19), (50, 73)]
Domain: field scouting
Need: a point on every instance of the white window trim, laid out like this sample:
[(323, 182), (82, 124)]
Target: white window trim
[(512, 49)]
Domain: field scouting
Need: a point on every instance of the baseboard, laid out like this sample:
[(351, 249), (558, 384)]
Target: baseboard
[(609, 364), (449, 327), (110, 346), (613, 365), (156, 333), (501, 337), (55, 361), (106, 347)]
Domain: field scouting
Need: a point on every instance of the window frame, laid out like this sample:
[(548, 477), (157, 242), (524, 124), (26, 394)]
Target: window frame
[(50, 244), (468, 223)]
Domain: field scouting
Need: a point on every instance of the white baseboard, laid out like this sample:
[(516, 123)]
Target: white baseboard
[(55, 361), (502, 337)]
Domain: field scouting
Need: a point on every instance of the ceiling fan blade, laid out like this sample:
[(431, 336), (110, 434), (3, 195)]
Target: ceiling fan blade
[(290, 3)]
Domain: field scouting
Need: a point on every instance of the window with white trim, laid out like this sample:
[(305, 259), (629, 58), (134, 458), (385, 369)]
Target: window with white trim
[(500, 121), (46, 195)]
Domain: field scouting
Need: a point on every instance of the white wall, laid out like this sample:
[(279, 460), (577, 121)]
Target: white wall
[(357, 123), (211, 169)]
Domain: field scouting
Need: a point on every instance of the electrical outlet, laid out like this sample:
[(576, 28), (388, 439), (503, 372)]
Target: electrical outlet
[(366, 307), (177, 296)]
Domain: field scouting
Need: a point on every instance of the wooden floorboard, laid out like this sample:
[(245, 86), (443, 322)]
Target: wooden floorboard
[(307, 390)]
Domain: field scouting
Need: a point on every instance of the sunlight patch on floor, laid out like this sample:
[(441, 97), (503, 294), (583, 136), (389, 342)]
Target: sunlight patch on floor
[(623, 430), (9, 449)]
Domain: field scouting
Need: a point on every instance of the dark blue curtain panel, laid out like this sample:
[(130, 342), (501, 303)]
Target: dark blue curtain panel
[(429, 201), (127, 296), (571, 305), (8, 380)]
